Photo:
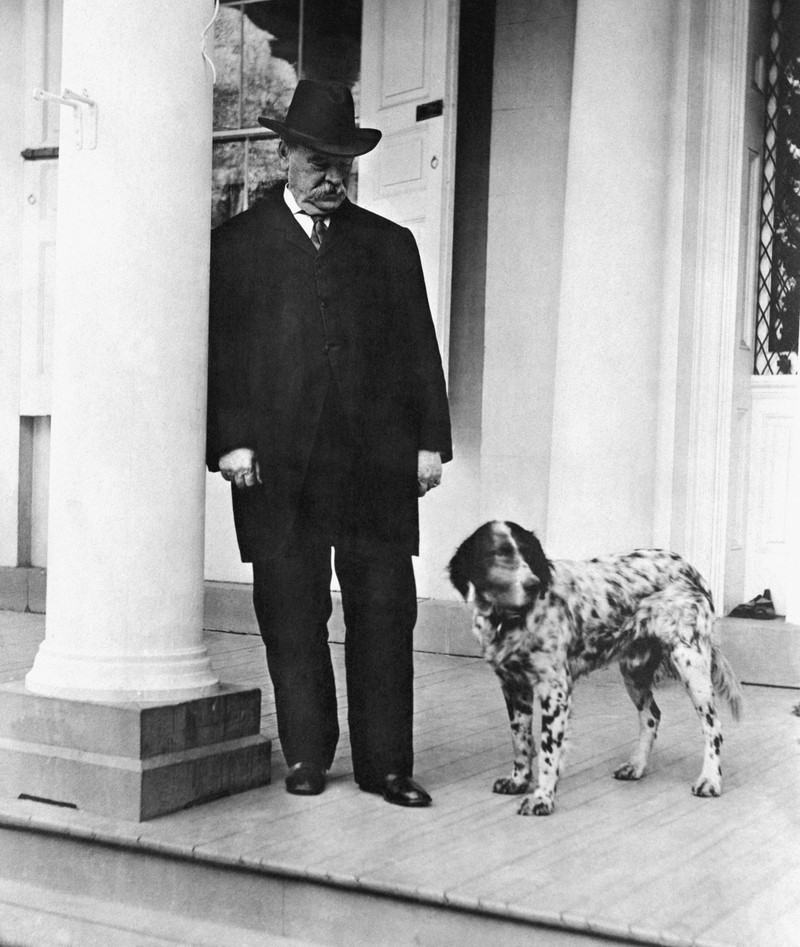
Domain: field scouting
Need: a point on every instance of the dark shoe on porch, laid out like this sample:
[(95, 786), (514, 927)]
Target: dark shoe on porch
[(400, 791), (761, 607), (305, 779)]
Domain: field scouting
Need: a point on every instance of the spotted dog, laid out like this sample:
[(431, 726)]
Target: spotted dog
[(543, 624)]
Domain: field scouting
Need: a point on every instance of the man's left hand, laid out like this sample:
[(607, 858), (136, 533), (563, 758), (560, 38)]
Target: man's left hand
[(429, 470)]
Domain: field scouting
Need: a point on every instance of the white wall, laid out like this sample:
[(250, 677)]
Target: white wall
[(502, 443), (609, 385), (223, 563), (530, 129)]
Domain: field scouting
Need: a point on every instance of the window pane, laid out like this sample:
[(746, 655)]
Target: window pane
[(263, 170), (332, 40), (270, 58), (256, 49), (258, 56), (228, 63), (227, 182)]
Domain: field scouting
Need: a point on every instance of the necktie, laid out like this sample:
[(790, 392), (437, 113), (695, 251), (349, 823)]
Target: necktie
[(318, 232)]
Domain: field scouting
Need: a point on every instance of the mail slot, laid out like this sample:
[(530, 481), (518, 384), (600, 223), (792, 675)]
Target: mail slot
[(430, 110)]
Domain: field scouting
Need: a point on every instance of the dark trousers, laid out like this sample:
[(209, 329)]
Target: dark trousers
[(293, 604), (291, 594)]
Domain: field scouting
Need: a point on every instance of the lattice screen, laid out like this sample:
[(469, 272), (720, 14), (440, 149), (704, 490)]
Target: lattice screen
[(779, 255)]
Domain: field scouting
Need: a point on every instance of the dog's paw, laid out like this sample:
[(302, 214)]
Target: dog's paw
[(534, 805), (508, 786), (707, 788), (628, 772)]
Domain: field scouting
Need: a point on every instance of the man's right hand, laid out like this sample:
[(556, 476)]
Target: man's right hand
[(241, 467)]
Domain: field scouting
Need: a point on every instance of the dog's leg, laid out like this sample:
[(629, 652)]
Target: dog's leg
[(694, 668), (555, 696), (638, 665), (649, 717), (518, 694)]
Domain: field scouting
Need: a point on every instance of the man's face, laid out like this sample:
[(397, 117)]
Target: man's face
[(318, 181)]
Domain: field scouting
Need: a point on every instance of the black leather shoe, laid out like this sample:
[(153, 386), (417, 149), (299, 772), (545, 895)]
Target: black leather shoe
[(401, 791), (305, 779)]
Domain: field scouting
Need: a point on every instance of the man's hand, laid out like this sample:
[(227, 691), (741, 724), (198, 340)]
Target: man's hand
[(241, 466), (429, 470)]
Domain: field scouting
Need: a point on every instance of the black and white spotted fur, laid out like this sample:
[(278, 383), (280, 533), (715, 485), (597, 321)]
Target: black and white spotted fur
[(542, 624)]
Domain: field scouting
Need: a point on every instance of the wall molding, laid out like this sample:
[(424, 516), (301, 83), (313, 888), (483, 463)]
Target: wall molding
[(761, 652), (443, 626)]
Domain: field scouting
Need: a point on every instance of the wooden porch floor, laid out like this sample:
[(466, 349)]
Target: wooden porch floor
[(643, 862)]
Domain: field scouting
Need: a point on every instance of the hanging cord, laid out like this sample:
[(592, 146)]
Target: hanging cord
[(203, 37)]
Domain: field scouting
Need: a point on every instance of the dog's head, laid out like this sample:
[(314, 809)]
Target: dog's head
[(504, 564)]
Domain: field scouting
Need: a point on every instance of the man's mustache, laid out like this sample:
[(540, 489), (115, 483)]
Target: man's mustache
[(329, 190)]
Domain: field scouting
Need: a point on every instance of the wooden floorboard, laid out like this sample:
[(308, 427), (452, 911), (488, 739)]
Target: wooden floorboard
[(642, 857)]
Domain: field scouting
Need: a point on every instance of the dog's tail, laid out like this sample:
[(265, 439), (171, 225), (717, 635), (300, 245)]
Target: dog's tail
[(725, 682)]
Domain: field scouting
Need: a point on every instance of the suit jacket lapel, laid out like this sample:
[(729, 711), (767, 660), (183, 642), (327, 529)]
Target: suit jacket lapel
[(292, 231), (283, 221), (337, 226)]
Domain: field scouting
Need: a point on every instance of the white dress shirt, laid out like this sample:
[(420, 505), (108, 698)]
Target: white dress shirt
[(302, 217)]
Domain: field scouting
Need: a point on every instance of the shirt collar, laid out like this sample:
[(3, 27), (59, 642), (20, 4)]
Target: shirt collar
[(290, 202), (296, 209), (302, 217)]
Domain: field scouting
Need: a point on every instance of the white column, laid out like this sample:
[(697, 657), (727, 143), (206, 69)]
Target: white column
[(608, 386), (125, 567)]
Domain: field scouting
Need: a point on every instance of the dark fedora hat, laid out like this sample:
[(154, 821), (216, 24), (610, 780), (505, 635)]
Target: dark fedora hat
[(322, 116)]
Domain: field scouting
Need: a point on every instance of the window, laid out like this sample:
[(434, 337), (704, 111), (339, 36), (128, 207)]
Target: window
[(261, 49), (779, 256)]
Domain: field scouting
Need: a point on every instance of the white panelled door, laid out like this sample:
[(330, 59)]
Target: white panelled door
[(408, 81)]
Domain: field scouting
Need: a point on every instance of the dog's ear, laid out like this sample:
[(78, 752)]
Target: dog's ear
[(531, 550), (460, 568)]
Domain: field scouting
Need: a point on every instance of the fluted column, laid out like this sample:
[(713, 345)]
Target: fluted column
[(125, 565)]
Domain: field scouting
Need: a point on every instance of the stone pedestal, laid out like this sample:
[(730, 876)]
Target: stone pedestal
[(131, 761)]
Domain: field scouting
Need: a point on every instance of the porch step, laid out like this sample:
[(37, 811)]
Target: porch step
[(762, 652), (62, 886), (31, 916)]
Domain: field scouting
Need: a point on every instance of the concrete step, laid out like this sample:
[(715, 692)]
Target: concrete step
[(32, 916)]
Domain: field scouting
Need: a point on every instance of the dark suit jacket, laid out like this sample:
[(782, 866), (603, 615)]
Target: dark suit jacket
[(284, 319)]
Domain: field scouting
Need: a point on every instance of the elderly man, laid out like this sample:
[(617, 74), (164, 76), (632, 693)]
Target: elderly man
[(328, 413)]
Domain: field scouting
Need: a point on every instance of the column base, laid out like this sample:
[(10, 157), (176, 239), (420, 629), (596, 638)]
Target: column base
[(131, 761)]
